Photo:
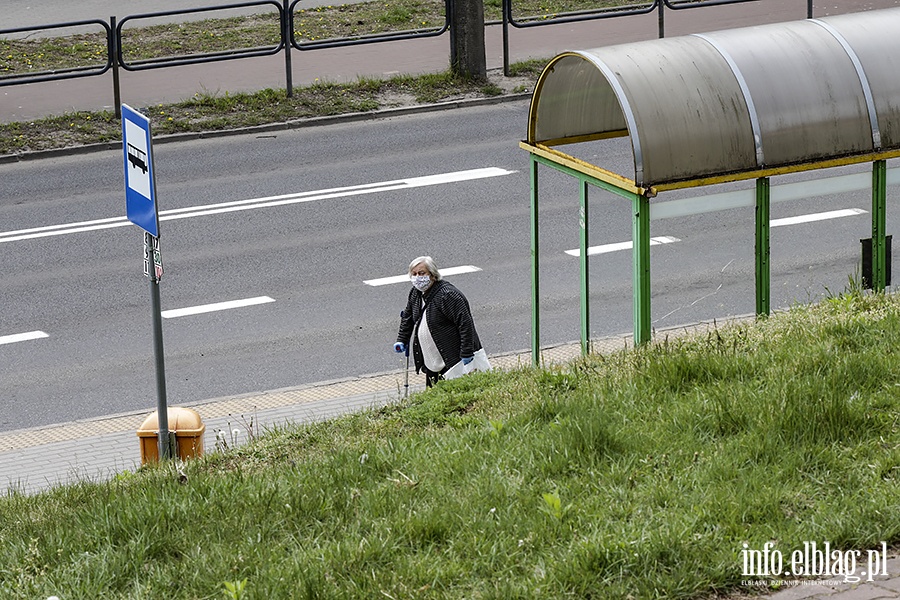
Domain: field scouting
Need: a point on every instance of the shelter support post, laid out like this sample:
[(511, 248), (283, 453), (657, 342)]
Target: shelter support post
[(879, 220), (585, 280), (641, 242), (641, 259), (535, 269), (763, 281)]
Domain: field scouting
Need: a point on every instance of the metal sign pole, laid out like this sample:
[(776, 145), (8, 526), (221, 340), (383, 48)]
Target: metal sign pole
[(142, 210), (155, 267)]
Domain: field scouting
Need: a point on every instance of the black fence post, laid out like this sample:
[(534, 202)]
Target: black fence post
[(449, 8), (662, 18), (505, 11), (287, 36), (114, 63)]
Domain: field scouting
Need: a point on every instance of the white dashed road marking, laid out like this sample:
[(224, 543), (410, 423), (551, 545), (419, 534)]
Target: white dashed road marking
[(205, 308), (604, 249), (822, 216), (809, 218), (22, 337)]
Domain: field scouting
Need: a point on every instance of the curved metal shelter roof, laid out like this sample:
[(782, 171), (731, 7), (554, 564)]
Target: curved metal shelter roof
[(733, 104)]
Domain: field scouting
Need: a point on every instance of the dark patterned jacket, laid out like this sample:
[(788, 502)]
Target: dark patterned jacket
[(449, 321)]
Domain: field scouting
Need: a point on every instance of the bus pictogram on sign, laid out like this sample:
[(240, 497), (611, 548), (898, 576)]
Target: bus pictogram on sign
[(137, 158)]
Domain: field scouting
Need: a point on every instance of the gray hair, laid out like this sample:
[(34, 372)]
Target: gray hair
[(429, 264)]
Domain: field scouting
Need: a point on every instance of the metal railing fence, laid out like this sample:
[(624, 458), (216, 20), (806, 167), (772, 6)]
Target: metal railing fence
[(67, 73), (508, 20), (192, 59), (285, 11)]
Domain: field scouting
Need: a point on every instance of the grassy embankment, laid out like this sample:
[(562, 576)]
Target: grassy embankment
[(217, 111), (636, 475)]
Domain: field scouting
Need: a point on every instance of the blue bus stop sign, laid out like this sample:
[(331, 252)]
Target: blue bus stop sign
[(140, 183)]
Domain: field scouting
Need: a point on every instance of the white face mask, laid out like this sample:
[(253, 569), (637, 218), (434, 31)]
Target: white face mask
[(420, 282)]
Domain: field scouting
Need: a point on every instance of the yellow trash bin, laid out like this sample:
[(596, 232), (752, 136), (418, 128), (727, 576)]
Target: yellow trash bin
[(185, 426)]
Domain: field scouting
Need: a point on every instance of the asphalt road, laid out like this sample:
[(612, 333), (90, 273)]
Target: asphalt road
[(320, 212)]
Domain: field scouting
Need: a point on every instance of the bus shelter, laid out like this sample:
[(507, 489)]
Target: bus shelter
[(706, 109)]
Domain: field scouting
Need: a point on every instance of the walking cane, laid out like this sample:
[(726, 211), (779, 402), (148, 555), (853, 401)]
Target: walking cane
[(406, 377)]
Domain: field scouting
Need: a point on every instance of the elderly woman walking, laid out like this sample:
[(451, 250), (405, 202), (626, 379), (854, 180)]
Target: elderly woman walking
[(437, 324)]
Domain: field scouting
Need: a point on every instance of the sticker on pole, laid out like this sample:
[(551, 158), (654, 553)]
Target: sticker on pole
[(140, 185)]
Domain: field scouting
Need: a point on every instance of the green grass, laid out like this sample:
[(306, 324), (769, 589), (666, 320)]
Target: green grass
[(636, 475)]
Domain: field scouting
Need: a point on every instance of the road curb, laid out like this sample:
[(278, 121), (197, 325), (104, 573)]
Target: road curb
[(385, 113)]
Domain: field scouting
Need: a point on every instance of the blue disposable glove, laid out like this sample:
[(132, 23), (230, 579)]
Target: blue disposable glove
[(399, 347), (467, 359)]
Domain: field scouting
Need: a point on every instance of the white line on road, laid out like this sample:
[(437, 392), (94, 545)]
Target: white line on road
[(779, 193), (253, 203), (809, 218), (22, 337), (205, 308), (665, 239), (822, 216), (405, 278)]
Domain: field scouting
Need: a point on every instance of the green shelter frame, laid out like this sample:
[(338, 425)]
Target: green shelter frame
[(706, 109)]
